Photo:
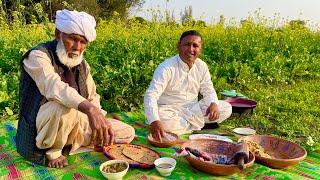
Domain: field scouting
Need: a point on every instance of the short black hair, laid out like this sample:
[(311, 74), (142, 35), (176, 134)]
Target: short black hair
[(190, 32)]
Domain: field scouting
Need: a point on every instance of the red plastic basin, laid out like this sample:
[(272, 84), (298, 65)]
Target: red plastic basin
[(240, 105)]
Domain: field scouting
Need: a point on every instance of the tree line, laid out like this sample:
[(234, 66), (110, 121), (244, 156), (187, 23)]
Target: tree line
[(38, 11)]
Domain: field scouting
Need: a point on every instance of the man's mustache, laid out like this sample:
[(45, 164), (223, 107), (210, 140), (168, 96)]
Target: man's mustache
[(75, 54)]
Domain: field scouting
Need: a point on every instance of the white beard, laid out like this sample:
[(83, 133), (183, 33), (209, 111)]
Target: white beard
[(64, 58)]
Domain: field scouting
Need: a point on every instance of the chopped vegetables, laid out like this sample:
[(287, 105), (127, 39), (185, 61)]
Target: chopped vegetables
[(256, 149), (114, 168)]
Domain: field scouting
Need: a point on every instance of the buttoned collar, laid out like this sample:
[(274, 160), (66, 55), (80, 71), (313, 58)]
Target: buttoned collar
[(184, 65)]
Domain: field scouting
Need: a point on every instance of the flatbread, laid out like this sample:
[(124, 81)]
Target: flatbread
[(133, 154), (140, 154), (116, 153)]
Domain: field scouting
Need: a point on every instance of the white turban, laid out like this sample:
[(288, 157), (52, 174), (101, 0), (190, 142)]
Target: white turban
[(74, 22)]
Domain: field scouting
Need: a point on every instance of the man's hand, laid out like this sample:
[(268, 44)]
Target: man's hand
[(102, 132), (157, 130), (212, 112)]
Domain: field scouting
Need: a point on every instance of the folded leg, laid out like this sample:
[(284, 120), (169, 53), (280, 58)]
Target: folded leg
[(225, 110)]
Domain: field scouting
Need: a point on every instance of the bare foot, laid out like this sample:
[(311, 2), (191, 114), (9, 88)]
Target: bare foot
[(60, 162)]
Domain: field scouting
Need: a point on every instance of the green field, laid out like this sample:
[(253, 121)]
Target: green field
[(278, 67)]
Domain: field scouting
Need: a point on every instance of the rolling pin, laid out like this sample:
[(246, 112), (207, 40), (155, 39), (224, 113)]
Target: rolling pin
[(241, 155)]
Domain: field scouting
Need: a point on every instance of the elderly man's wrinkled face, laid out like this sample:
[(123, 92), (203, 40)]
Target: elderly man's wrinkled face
[(70, 48), (74, 44), (189, 48)]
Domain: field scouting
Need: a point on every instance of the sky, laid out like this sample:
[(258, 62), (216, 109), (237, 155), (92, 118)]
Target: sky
[(235, 10)]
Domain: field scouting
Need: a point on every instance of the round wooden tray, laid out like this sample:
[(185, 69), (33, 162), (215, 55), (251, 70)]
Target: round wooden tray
[(115, 152), (215, 147), (284, 153)]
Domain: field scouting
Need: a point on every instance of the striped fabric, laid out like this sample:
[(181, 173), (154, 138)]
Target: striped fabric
[(86, 165)]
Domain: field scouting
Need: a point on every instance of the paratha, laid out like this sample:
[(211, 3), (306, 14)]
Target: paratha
[(115, 152), (140, 154), (133, 154)]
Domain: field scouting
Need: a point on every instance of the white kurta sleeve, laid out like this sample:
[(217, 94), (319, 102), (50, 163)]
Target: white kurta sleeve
[(157, 86), (206, 88), (39, 67)]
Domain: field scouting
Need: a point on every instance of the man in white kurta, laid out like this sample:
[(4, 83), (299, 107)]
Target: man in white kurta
[(171, 101), (60, 116), (67, 117)]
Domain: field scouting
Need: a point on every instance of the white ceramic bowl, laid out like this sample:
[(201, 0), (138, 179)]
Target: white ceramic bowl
[(114, 176), (165, 165)]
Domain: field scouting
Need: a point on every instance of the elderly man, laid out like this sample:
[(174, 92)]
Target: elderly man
[(59, 107), (171, 101)]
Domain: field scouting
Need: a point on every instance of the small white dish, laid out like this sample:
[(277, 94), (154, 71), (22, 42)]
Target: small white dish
[(117, 175), (165, 165), (244, 131), (209, 136)]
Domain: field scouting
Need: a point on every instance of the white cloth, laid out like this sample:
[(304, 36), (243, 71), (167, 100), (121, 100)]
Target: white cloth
[(172, 96), (74, 22)]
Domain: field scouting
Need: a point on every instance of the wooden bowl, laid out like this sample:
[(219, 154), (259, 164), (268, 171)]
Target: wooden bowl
[(215, 147), (165, 142), (283, 153)]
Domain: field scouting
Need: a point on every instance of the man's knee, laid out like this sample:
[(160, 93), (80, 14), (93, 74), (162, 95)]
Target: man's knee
[(53, 116), (126, 136), (61, 112), (52, 108), (124, 133), (225, 110), (131, 134)]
